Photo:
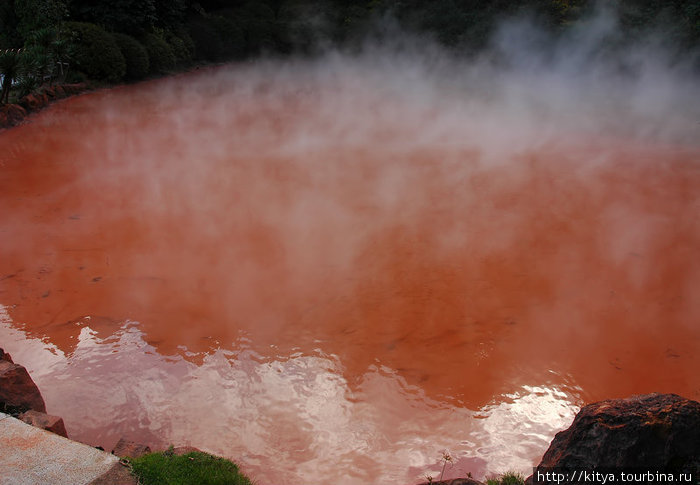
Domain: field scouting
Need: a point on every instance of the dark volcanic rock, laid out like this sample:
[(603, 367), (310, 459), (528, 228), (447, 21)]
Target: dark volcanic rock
[(5, 356), (125, 448), (660, 431), (45, 421), (18, 393)]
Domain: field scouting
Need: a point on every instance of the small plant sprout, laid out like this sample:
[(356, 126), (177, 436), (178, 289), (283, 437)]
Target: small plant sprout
[(429, 478), (446, 457)]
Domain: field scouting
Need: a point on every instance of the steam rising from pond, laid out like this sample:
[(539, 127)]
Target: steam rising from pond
[(337, 267)]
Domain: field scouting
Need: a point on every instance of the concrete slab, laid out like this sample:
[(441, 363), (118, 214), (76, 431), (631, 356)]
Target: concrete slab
[(33, 456)]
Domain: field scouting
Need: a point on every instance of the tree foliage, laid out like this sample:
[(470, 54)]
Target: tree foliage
[(96, 53), (9, 36), (176, 32), (128, 16), (34, 15), (135, 56), (160, 54)]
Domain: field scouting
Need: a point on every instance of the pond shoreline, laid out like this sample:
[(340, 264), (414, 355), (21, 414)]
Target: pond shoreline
[(14, 114), (598, 437)]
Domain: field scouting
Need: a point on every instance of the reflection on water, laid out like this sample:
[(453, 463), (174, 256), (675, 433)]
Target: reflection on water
[(284, 419), (338, 272)]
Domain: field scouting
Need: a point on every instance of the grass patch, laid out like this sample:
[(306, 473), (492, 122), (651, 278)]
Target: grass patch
[(508, 478), (195, 468)]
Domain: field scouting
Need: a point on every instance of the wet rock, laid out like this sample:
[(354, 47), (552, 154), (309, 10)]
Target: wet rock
[(117, 475), (5, 356), (125, 448), (33, 102), (18, 393), (183, 450), (74, 88), (12, 114), (45, 421), (660, 431), (455, 481)]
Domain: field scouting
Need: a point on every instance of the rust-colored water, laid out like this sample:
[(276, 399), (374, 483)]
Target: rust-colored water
[(331, 281)]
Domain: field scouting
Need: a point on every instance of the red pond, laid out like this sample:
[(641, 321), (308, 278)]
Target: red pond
[(332, 280)]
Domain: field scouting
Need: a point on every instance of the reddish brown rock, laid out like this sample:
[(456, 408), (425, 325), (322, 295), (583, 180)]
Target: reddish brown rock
[(45, 421), (125, 448), (31, 102), (74, 88), (18, 393), (59, 91), (183, 450), (660, 431), (34, 102), (13, 113), (455, 481), (5, 356), (119, 474)]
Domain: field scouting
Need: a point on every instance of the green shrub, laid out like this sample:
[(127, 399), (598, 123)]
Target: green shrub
[(182, 54), (187, 40), (160, 54), (194, 468), (136, 57), (95, 52), (508, 478), (182, 44)]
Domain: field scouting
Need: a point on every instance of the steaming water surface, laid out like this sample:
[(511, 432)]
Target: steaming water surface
[(332, 275)]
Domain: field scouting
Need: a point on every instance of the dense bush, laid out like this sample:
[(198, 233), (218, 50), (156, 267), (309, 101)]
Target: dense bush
[(187, 40), (95, 52), (181, 50), (136, 57), (217, 37), (160, 54)]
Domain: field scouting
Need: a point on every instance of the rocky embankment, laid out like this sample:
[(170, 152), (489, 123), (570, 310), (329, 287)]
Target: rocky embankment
[(652, 431), (659, 431), (14, 114), (20, 397), (648, 432)]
